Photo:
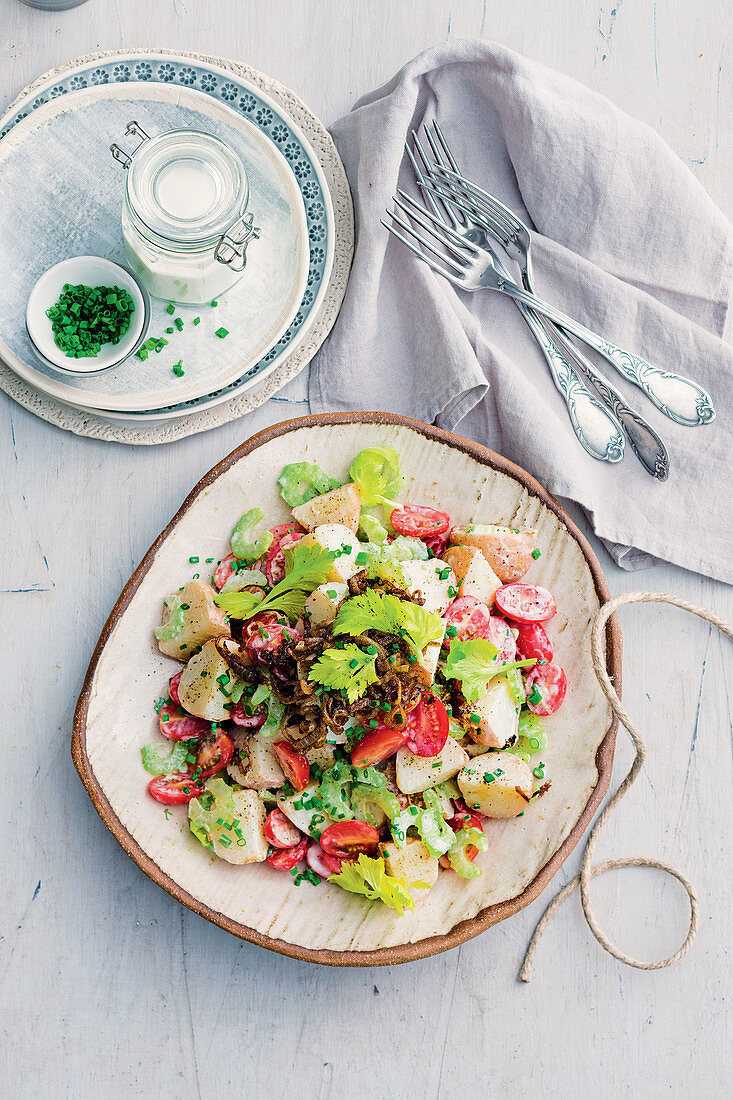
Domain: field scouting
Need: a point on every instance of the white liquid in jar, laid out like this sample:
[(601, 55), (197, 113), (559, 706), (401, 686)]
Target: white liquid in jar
[(186, 189)]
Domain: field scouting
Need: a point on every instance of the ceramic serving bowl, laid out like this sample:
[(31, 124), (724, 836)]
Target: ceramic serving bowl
[(87, 271), (114, 715)]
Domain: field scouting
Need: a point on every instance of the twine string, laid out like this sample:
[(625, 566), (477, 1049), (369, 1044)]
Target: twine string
[(587, 872)]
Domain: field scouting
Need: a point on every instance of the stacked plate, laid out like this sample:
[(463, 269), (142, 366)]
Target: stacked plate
[(60, 140)]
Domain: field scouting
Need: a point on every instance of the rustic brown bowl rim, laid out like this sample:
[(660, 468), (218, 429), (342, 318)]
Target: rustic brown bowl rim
[(465, 930)]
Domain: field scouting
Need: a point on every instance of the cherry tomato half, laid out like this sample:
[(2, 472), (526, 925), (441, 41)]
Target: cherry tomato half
[(417, 521), (223, 571), (279, 830), (174, 790), (284, 859), (427, 727), (324, 865), (176, 725), (499, 634), (376, 745), (469, 618), (275, 560), (214, 753), (173, 688), (551, 683), (294, 764), (267, 632), (526, 603), (532, 641), (348, 839), (465, 820), (248, 721), (281, 529)]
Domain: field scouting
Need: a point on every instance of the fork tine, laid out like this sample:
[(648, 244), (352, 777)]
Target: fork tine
[(496, 207), (421, 255), (460, 268), (458, 218), (420, 179), (478, 214), (419, 213), (449, 212), (444, 145)]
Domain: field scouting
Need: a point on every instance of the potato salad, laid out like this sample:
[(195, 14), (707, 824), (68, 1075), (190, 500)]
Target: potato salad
[(362, 689)]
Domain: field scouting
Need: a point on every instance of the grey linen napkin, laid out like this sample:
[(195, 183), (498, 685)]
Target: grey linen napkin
[(625, 240)]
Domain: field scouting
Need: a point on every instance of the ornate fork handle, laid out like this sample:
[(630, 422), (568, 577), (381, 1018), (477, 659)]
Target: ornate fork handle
[(679, 398), (595, 427)]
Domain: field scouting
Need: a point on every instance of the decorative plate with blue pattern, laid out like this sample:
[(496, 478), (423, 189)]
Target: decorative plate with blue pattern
[(231, 91)]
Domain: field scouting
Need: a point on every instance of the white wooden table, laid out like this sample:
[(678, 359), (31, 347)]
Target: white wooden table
[(108, 988)]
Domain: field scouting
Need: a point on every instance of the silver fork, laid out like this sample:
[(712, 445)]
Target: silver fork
[(483, 229), (678, 397), (595, 427)]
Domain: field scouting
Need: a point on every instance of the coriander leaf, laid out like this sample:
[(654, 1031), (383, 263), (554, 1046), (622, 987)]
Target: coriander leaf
[(368, 876), (370, 611), (473, 661), (301, 481), (349, 669), (376, 471), (307, 567), (421, 627), (377, 611), (243, 545)]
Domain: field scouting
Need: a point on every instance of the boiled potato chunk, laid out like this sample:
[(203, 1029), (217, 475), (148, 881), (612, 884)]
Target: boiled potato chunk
[(334, 536), (200, 619), (322, 605), (342, 506), (259, 768), (497, 784), (499, 714), (250, 810), (427, 662), (295, 807), (507, 550), (199, 690), (321, 756), (432, 579), (413, 863), (416, 773), (474, 575)]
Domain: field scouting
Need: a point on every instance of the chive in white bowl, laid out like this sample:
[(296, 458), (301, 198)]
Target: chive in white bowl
[(89, 271)]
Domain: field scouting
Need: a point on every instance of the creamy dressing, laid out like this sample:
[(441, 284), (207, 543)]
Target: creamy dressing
[(186, 189)]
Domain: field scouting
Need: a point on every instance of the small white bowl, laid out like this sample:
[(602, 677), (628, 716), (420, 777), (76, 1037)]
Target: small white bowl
[(90, 271)]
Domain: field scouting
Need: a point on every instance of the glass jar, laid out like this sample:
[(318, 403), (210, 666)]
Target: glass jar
[(184, 218)]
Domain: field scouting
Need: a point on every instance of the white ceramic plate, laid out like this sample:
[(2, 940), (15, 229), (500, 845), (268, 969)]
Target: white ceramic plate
[(75, 207), (115, 717)]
